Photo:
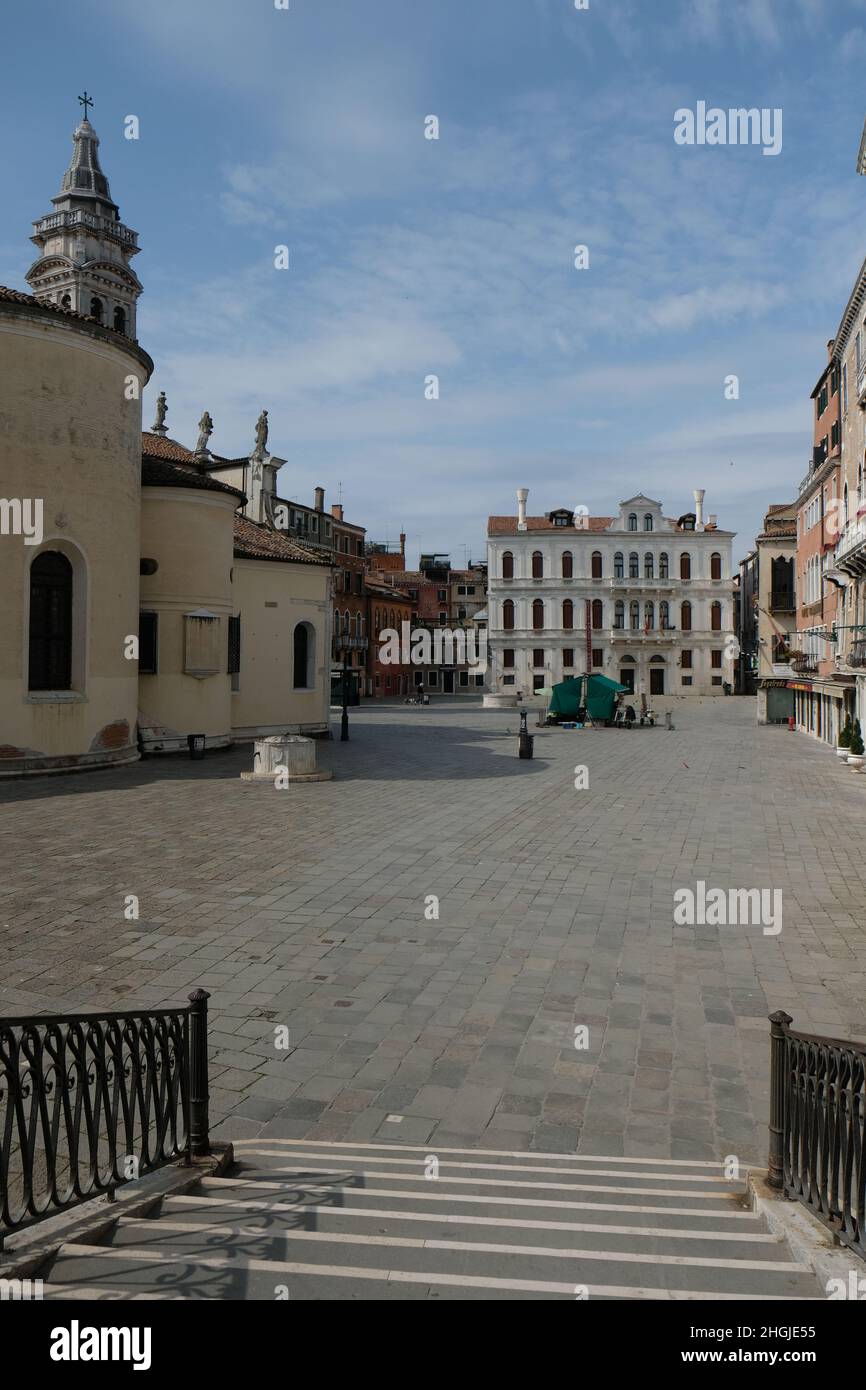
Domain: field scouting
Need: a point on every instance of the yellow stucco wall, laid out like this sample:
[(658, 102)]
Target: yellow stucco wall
[(190, 533), (70, 436), (267, 701)]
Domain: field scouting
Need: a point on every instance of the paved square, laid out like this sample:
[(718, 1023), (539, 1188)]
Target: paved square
[(305, 909)]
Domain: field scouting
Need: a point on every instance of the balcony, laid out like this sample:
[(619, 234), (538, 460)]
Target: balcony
[(851, 547), (783, 603), (642, 585), (632, 635)]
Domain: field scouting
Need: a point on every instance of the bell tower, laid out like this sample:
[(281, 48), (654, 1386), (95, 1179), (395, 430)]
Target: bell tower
[(84, 247)]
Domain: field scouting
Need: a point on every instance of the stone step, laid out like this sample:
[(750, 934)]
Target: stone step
[(275, 1231), (555, 1186), (231, 1276), (240, 1201)]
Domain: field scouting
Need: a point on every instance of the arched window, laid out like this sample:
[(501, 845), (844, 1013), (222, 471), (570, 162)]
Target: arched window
[(647, 522), (685, 565), (715, 565), (50, 664), (568, 615), (508, 615), (378, 629), (538, 615), (663, 565), (686, 617), (567, 565), (357, 624), (634, 565), (508, 565), (716, 617), (649, 617), (597, 565), (632, 521), (619, 614), (648, 565), (305, 656), (597, 615), (537, 565), (635, 616), (119, 319), (393, 620), (96, 309), (664, 615), (618, 565)]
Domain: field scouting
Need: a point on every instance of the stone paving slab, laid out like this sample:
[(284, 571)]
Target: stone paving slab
[(309, 909)]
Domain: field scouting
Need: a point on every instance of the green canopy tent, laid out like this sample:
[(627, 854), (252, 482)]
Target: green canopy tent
[(599, 697)]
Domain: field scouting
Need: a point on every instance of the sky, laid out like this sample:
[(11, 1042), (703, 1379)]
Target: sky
[(409, 258)]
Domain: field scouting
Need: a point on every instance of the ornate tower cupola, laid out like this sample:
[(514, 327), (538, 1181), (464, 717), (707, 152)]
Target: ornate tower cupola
[(84, 247)]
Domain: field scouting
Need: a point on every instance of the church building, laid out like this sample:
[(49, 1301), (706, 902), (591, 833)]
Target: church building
[(146, 597)]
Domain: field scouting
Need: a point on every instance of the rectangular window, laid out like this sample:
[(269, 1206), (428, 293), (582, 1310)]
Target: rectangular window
[(464, 677), (148, 644), (507, 680), (716, 680), (716, 661), (443, 595), (508, 657), (443, 619), (568, 656), (537, 683), (461, 588), (845, 387), (597, 656), (234, 663), (433, 678), (538, 656), (687, 680), (687, 661), (835, 434)]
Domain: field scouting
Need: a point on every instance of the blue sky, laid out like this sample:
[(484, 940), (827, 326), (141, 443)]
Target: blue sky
[(411, 257)]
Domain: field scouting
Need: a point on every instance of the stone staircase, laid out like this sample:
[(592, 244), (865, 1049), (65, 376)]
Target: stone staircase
[(301, 1219)]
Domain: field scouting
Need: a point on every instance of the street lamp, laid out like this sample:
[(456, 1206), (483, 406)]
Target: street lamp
[(344, 720), (348, 644)]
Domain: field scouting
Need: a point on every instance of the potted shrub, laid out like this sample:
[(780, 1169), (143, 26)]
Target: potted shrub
[(855, 757), (843, 748)]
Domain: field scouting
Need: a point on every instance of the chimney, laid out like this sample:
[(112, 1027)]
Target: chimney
[(712, 524), (699, 508), (337, 511), (522, 494), (403, 547), (320, 499)]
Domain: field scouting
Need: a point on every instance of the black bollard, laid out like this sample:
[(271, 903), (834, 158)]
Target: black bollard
[(525, 739)]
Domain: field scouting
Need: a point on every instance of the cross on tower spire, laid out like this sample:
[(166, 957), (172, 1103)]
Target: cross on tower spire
[(85, 102)]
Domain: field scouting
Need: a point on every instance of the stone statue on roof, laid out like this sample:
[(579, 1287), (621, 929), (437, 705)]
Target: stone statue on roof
[(262, 434), (159, 426), (205, 430)]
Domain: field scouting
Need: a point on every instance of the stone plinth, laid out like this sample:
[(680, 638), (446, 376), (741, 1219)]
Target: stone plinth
[(285, 758)]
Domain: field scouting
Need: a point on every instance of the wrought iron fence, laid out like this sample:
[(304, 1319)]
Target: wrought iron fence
[(817, 1116), (89, 1102)]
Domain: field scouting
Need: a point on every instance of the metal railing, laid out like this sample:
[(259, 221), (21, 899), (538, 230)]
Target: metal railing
[(91, 1101), (817, 1116)]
